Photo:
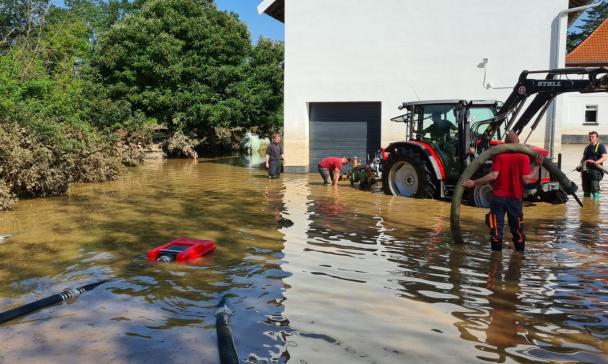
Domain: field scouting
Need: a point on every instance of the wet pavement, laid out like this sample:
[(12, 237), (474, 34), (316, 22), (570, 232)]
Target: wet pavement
[(360, 277)]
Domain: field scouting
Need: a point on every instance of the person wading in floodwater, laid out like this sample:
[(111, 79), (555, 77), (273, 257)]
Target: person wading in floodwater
[(510, 172), (329, 169), (274, 156), (594, 155)]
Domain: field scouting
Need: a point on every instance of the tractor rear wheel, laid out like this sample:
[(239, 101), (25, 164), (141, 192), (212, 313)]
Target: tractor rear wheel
[(482, 196), (408, 175)]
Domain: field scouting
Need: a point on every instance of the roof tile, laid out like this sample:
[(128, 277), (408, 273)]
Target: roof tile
[(593, 51)]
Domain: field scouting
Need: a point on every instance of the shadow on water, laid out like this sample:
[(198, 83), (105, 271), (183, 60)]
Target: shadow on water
[(359, 277)]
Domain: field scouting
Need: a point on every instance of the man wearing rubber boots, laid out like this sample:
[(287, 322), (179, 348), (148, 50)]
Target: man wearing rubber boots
[(510, 172), (593, 156)]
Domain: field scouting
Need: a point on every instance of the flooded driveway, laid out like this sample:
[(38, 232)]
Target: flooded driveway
[(360, 277)]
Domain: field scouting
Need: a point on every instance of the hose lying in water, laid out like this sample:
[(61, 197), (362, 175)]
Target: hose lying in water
[(225, 341), (568, 186), (51, 300)]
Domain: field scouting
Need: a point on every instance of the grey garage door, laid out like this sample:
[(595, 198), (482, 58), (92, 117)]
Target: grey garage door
[(343, 129)]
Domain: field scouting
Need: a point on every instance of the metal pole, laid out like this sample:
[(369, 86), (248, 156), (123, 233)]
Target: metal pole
[(555, 63)]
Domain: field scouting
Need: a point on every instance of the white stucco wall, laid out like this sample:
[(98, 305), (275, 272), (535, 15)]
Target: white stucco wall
[(574, 115), (401, 50)]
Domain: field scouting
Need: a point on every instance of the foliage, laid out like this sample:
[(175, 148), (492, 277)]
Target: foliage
[(191, 67), (28, 166), (7, 199), (262, 90), (595, 17), (21, 18), (99, 15), (180, 144)]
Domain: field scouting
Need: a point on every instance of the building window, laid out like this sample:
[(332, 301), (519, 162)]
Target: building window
[(591, 114)]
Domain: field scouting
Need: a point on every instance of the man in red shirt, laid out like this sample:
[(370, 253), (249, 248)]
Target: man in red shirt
[(329, 168), (510, 172)]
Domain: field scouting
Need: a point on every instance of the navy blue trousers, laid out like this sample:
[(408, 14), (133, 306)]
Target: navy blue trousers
[(274, 168), (496, 221)]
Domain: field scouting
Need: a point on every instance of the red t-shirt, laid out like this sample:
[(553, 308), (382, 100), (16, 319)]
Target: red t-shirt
[(510, 168), (331, 163)]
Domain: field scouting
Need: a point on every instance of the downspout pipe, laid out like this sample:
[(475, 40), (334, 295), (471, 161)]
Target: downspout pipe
[(555, 63)]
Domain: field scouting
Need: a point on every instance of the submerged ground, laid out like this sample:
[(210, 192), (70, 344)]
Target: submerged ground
[(359, 278)]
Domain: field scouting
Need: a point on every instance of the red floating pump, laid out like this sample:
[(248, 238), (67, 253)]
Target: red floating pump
[(181, 250)]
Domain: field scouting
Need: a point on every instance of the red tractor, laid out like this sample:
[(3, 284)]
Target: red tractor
[(444, 136)]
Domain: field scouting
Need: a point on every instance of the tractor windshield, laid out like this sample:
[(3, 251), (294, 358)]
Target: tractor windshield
[(480, 119), (439, 123)]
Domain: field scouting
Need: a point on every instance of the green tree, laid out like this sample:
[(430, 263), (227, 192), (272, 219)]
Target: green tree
[(38, 73), (191, 67), (262, 90), (99, 15), (20, 18), (595, 17)]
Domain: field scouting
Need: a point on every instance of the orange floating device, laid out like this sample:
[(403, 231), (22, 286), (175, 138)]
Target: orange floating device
[(181, 250)]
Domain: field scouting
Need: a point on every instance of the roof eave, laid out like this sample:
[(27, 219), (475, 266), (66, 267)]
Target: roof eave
[(572, 17), (273, 8), (588, 64)]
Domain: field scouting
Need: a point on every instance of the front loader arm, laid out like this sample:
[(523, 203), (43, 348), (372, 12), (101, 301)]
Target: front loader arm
[(545, 90)]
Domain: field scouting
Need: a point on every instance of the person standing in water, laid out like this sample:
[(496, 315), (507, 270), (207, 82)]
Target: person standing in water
[(593, 155), (510, 172), (274, 157)]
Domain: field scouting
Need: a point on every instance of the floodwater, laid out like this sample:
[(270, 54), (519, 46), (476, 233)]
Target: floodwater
[(360, 277)]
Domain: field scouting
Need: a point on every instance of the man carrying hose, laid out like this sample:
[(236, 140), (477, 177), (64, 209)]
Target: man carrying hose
[(510, 172), (593, 156)]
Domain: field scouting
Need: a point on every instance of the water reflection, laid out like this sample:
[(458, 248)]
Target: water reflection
[(359, 277), (506, 324), (254, 160)]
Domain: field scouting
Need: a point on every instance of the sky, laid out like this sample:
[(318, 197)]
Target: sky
[(259, 25)]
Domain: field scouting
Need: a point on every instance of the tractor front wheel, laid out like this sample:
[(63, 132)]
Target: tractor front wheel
[(408, 175)]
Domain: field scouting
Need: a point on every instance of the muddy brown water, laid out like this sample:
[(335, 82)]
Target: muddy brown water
[(360, 277)]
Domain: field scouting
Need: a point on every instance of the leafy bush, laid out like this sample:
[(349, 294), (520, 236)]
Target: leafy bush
[(28, 166), (180, 144), (7, 199)]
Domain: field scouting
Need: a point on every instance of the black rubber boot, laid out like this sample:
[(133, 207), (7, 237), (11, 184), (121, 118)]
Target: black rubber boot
[(519, 246), (496, 245)]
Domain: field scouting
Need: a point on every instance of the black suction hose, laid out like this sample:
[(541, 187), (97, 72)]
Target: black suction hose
[(225, 341), (568, 186), (51, 300)]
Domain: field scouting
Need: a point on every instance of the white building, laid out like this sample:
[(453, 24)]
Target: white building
[(587, 112), (349, 64)]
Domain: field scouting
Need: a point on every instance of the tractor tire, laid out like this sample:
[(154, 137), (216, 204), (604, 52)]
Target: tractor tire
[(408, 175), (482, 196), (556, 197)]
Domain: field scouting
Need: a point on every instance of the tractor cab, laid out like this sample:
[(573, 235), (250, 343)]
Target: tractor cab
[(451, 129)]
